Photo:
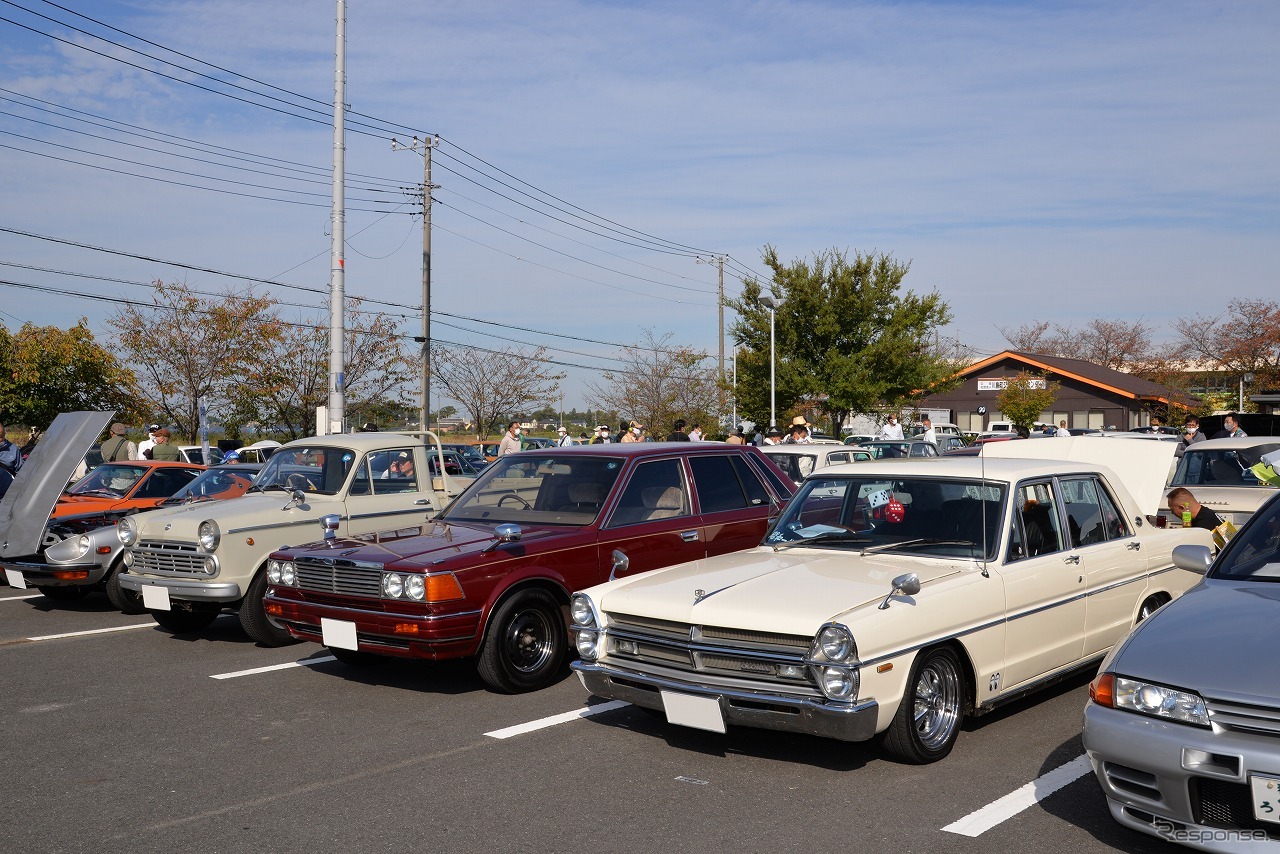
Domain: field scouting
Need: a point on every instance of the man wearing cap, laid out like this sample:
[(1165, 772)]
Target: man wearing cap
[(118, 447), (602, 436), (163, 450), (635, 433), (148, 443), (773, 437), (565, 439)]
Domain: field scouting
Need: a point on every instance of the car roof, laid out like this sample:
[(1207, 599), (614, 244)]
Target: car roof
[(638, 449), (966, 467), (1233, 444)]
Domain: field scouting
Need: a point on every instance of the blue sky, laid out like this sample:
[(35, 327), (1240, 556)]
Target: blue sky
[(1033, 161)]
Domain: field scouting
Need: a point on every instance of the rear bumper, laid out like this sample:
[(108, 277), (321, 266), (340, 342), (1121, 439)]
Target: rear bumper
[(429, 636), (761, 710)]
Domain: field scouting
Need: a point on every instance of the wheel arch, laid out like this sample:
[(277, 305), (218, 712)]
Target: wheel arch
[(532, 582)]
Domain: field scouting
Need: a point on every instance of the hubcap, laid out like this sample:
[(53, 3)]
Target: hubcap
[(937, 703)]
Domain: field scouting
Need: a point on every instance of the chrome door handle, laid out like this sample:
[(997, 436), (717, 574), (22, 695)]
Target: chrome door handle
[(1134, 546), (689, 536), (1071, 559), (422, 501)]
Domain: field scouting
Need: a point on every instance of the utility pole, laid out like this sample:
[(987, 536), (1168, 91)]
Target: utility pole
[(424, 146), (337, 251), (718, 260)]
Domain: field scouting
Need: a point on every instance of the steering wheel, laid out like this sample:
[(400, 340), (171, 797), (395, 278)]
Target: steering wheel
[(299, 481), (525, 504)]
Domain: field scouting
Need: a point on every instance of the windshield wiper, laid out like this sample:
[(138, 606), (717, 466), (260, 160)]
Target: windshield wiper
[(837, 536), (920, 541)]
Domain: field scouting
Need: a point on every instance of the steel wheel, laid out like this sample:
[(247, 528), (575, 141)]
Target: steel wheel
[(525, 645)]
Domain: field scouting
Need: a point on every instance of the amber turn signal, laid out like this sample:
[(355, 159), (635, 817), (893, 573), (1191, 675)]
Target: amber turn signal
[(442, 588), (1102, 690), (273, 609), (406, 628), (71, 574)]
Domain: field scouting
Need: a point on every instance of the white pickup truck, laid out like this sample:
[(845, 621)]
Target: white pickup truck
[(190, 563)]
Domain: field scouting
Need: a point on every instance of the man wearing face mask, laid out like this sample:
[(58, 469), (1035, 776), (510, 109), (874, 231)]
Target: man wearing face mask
[(634, 434), (602, 436), (510, 443)]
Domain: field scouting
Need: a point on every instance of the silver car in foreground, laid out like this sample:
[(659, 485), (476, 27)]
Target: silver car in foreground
[(1183, 722)]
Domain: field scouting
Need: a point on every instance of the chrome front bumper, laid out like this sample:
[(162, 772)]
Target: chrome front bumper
[(42, 574), (762, 710), (185, 588)]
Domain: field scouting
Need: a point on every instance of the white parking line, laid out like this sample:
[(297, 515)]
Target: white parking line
[(531, 726), (20, 598), (979, 822), (306, 662), (94, 632)]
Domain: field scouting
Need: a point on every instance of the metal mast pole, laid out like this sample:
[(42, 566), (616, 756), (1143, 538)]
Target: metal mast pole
[(337, 265), (427, 145)]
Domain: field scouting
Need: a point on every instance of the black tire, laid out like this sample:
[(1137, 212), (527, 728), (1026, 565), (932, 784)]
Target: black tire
[(525, 647), (355, 658), (184, 622), (128, 601), (1150, 606), (928, 720), (254, 619), (64, 594)]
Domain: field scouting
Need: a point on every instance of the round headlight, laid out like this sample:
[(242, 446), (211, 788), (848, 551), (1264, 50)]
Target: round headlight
[(587, 643), (210, 565), (835, 643), (127, 531), (209, 535), (392, 585), (126, 557), (273, 571), (415, 587), (82, 545), (580, 610), (289, 573), (837, 683)]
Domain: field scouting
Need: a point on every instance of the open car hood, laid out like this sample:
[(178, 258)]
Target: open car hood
[(25, 508)]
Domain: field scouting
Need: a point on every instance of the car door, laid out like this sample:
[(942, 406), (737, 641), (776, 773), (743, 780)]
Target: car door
[(733, 505), (381, 497), (1111, 557), (652, 524), (1044, 588)]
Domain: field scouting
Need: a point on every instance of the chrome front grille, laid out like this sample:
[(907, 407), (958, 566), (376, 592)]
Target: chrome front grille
[(711, 650), (155, 557), (1245, 717), (342, 577)]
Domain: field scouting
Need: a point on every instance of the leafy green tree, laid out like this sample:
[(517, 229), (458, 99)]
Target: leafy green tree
[(850, 339), (45, 370), (1022, 402)]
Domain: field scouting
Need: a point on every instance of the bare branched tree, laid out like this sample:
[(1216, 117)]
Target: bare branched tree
[(490, 384), (1245, 339), (660, 383)]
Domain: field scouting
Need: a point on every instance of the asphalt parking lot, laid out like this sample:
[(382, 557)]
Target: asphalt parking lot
[(121, 737)]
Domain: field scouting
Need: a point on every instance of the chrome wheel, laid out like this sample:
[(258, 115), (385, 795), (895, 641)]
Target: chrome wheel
[(937, 703)]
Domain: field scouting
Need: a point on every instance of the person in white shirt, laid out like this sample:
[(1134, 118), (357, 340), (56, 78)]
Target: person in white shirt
[(773, 437), (891, 430), (695, 435), (1063, 432), (565, 439), (148, 443), (929, 434)]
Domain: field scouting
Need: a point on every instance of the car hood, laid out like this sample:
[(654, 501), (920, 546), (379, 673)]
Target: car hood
[(1212, 640), (27, 505), (429, 545), (250, 512), (791, 592)]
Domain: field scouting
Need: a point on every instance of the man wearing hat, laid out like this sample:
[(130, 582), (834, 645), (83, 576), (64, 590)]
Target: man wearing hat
[(602, 436), (635, 433), (565, 439), (148, 443), (773, 437), (163, 450), (798, 434), (118, 447)]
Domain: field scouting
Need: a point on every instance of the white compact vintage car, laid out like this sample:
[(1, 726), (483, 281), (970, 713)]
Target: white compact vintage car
[(189, 563), (892, 599)]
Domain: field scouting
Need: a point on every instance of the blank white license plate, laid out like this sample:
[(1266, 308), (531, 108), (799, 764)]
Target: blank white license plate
[(338, 633), (696, 712), (156, 598), (15, 579), (1266, 798)]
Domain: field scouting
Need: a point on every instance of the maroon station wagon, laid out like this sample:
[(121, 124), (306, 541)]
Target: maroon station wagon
[(491, 575)]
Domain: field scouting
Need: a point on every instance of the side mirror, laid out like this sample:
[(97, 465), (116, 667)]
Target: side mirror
[(907, 585), (1192, 558)]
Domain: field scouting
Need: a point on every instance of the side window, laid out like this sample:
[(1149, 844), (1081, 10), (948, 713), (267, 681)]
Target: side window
[(399, 474), (717, 484), (779, 487), (360, 483), (1036, 526), (1114, 525), (833, 459), (1084, 512), (757, 495), (656, 491), (165, 482)]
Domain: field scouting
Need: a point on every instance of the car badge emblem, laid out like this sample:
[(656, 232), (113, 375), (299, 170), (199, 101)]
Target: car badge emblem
[(168, 526), (698, 596)]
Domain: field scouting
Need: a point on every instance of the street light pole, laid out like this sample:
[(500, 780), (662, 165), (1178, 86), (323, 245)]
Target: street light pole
[(772, 304)]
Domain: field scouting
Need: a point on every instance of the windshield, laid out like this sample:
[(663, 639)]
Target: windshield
[(1254, 553), (214, 483), (934, 516), (534, 488), (322, 470), (109, 478), (1221, 467)]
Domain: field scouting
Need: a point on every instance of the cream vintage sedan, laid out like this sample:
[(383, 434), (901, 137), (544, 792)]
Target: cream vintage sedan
[(891, 599)]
